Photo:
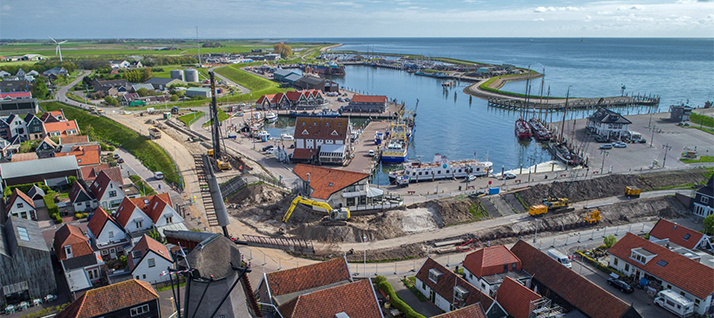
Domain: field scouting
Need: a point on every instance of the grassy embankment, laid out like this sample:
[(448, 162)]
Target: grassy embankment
[(149, 153), (221, 117), (143, 186), (706, 123), (190, 118)]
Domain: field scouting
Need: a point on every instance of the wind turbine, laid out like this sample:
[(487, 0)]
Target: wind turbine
[(58, 50)]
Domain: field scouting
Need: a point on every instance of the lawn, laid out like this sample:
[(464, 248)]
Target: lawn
[(245, 79), (149, 153), (190, 118), (143, 186), (221, 117), (701, 120), (699, 160)]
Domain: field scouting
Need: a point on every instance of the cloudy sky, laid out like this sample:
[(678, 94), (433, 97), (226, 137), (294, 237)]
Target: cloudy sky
[(20, 19)]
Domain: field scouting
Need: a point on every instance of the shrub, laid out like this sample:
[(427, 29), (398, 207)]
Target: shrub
[(609, 241), (57, 218), (379, 279), (52, 208), (397, 302)]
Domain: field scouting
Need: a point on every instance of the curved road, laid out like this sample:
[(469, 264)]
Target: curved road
[(242, 89)]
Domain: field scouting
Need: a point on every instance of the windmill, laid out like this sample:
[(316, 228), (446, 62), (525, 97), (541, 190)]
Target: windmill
[(58, 50)]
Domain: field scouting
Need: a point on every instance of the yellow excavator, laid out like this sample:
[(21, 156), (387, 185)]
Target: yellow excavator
[(341, 214), (593, 216)]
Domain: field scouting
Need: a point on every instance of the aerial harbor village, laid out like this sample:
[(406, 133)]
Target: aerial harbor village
[(186, 169)]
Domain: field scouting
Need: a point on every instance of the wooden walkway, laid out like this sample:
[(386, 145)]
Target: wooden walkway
[(581, 103)]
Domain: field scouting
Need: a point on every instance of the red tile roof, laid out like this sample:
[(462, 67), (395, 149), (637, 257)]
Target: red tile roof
[(101, 184), (147, 244), (333, 128), (369, 99), (679, 271), (16, 193), (99, 219), (62, 127), (354, 299), (14, 95), (490, 260), (107, 299), (71, 235), (665, 229), (90, 173), (577, 290), (73, 139), (263, 98), (306, 277), (295, 96), (151, 205), (448, 281), (326, 181), (515, 298), (471, 311), (88, 155), (304, 154)]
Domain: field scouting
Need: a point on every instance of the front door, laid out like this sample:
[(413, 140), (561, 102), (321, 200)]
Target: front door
[(112, 253), (432, 296)]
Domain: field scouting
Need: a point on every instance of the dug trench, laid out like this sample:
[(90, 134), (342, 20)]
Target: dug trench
[(262, 207)]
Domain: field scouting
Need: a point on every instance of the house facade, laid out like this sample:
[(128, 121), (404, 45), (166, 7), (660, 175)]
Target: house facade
[(311, 133), (488, 267), (106, 234), (131, 298), (35, 127), (144, 213), (342, 188), (449, 292), (148, 259), (20, 205), (106, 191), (81, 199), (639, 258), (608, 124), (367, 104), (83, 267), (703, 203)]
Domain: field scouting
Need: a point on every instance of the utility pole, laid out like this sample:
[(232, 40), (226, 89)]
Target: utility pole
[(652, 138), (604, 154), (666, 148)]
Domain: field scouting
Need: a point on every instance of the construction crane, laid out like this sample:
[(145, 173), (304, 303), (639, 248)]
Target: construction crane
[(216, 153), (341, 214)]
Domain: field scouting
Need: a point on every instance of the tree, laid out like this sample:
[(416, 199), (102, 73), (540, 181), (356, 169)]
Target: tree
[(146, 74), (283, 50), (174, 98), (709, 225), (133, 76), (609, 241), (89, 130), (111, 101), (154, 234), (142, 92), (39, 90)]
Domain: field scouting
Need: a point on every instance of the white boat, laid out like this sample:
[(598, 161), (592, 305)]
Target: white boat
[(441, 168), (271, 117), (287, 137)]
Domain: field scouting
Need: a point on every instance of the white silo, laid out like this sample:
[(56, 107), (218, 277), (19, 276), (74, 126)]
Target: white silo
[(191, 75), (177, 74)]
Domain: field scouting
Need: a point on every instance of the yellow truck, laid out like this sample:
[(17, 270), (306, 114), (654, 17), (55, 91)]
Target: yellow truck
[(550, 204), (632, 192)]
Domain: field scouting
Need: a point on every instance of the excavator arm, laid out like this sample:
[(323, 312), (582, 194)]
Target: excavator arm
[(302, 200)]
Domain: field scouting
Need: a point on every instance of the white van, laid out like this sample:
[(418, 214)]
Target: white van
[(560, 257), (676, 303)]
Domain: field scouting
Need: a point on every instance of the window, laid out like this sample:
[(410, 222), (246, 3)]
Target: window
[(460, 293), (139, 310), (105, 252), (505, 267), (434, 275), (112, 193), (111, 234), (23, 233), (615, 262), (705, 200), (513, 266), (143, 276), (169, 219), (68, 250), (20, 205), (139, 224), (152, 262), (627, 267), (662, 263), (136, 255), (686, 237)]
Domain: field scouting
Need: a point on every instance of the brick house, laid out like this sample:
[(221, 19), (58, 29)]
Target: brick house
[(313, 133)]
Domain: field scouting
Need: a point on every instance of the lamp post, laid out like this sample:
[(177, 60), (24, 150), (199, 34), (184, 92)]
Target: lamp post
[(604, 154), (364, 240), (666, 148)]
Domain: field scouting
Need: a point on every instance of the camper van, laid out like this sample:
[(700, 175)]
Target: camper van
[(676, 303), (560, 257)]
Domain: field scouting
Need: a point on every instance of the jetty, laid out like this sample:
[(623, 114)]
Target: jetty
[(574, 103)]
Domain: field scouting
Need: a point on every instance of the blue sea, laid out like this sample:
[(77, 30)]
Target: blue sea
[(450, 122)]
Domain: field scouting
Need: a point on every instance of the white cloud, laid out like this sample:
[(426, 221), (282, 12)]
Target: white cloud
[(556, 9), (539, 20), (604, 12), (635, 7)]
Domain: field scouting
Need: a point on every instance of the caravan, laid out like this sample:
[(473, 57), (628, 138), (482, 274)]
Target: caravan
[(676, 303), (560, 257)]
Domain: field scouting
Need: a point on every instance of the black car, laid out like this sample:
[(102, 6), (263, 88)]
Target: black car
[(120, 160), (622, 286), (268, 147)]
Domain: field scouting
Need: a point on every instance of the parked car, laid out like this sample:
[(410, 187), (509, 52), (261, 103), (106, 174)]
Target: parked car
[(472, 177), (508, 175), (339, 99), (266, 148), (622, 286), (269, 151), (120, 160), (158, 175), (619, 144), (371, 153), (606, 146), (116, 156)]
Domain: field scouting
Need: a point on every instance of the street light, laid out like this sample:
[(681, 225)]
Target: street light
[(666, 148), (604, 154)]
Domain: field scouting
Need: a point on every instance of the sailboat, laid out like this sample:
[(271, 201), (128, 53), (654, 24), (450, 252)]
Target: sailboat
[(523, 129)]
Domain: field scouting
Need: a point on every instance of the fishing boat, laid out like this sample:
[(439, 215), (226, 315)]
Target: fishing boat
[(539, 130), (321, 113), (271, 117), (398, 136), (523, 130), (440, 168), (561, 152)]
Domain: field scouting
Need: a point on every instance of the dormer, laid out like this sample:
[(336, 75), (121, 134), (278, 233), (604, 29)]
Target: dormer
[(460, 293), (68, 251), (434, 275), (641, 255)]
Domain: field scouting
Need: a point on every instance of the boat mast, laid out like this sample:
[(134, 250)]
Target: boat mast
[(565, 109), (540, 103)]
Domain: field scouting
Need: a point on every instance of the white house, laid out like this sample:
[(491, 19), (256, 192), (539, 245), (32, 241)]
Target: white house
[(117, 64), (637, 257), (106, 191), (448, 291), (20, 205), (488, 267), (143, 213), (82, 266), (148, 259), (18, 126), (106, 234), (81, 199), (703, 203), (608, 124)]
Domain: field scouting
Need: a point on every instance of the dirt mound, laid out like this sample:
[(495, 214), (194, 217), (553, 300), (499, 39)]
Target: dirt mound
[(374, 227), (451, 210), (259, 194), (608, 186)]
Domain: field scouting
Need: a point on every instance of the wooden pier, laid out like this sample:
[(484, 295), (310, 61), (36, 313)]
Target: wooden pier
[(575, 103)]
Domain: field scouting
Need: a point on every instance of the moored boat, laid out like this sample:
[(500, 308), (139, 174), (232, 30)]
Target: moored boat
[(523, 130), (539, 130), (322, 113), (441, 168), (271, 117)]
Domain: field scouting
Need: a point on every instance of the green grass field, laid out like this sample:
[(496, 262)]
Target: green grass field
[(148, 152), (221, 117), (245, 79), (699, 160), (190, 118)]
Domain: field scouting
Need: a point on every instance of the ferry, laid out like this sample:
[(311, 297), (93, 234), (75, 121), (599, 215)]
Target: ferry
[(440, 168)]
